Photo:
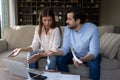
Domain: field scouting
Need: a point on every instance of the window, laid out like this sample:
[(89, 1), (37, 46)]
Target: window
[(4, 7), (0, 18)]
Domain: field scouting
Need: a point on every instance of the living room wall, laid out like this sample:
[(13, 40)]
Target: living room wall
[(110, 12)]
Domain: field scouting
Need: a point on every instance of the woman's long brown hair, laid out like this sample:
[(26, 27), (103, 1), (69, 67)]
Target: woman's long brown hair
[(43, 13), (47, 12)]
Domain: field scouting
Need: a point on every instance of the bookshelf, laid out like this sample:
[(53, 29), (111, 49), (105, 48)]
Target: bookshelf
[(28, 10)]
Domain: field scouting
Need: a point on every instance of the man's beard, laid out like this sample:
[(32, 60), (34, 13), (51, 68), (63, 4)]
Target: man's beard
[(72, 27)]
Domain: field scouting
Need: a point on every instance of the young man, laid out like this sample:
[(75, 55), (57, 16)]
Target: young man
[(84, 39)]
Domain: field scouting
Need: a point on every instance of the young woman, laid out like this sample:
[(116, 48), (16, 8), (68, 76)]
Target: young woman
[(47, 36)]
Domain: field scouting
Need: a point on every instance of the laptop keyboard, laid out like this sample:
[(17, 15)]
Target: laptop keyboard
[(37, 77)]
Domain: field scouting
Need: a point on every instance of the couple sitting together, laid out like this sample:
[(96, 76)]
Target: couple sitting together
[(82, 36)]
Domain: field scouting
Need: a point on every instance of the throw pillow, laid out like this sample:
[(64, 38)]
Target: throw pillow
[(118, 54), (109, 44)]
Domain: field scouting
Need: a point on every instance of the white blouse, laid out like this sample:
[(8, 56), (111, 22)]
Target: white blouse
[(50, 41)]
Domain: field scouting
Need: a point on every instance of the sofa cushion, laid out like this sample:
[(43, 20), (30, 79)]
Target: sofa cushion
[(106, 28), (19, 36), (109, 64), (118, 54), (3, 45), (83, 70), (22, 57), (109, 44), (110, 74)]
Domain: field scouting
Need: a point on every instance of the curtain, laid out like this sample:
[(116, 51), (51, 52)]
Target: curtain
[(4, 15)]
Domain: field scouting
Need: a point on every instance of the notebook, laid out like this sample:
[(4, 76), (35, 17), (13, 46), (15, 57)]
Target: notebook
[(19, 69)]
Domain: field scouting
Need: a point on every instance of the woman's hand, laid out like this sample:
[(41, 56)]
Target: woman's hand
[(43, 53), (46, 53), (34, 58), (15, 52)]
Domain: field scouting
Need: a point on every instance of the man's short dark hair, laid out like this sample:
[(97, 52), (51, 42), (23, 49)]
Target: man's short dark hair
[(77, 14)]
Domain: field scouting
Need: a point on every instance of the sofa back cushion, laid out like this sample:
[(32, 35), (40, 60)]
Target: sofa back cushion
[(19, 36), (106, 28), (109, 44), (117, 29)]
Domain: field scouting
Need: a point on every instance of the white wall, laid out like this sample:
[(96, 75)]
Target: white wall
[(110, 12)]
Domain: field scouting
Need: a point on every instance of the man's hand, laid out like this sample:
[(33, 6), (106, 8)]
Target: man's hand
[(76, 63), (15, 52)]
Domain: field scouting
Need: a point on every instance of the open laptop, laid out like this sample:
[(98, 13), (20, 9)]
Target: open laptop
[(19, 69)]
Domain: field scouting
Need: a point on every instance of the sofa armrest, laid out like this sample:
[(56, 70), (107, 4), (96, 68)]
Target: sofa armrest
[(3, 45)]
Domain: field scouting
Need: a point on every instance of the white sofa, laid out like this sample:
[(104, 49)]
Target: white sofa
[(21, 36)]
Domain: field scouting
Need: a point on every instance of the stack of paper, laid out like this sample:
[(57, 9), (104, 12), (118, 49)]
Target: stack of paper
[(52, 75), (70, 77), (60, 76)]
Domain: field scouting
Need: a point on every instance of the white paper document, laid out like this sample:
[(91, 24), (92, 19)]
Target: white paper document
[(70, 77), (74, 56), (52, 75), (60, 76)]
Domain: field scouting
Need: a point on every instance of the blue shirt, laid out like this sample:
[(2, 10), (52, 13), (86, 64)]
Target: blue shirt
[(85, 41)]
